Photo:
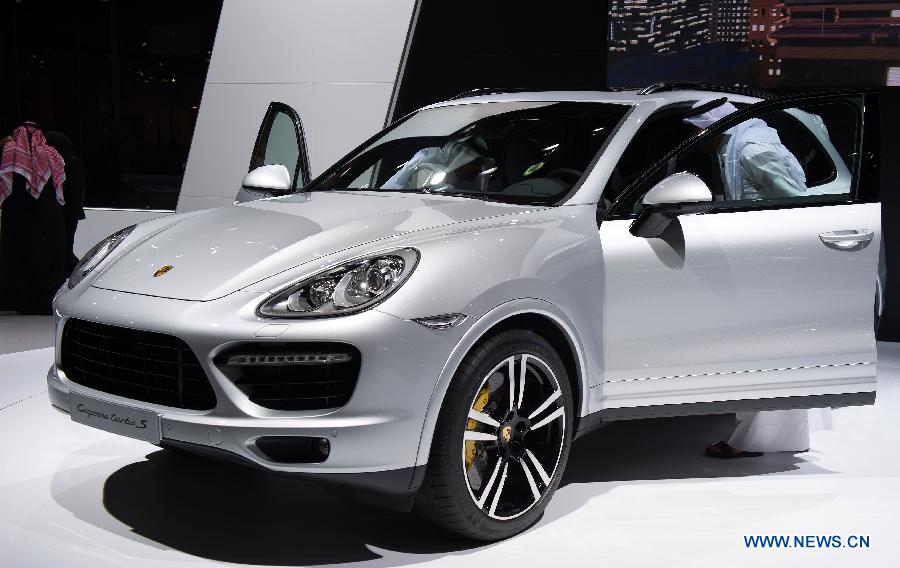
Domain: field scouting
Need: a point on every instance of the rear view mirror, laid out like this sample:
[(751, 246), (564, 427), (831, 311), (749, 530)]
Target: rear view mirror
[(679, 194), (273, 178), (265, 181)]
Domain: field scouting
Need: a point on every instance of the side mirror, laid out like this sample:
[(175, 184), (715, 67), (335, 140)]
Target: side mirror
[(274, 178), (678, 194), (263, 182)]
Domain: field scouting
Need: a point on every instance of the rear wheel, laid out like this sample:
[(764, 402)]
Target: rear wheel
[(502, 439)]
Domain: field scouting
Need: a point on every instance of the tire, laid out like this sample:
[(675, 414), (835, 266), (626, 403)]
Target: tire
[(489, 481)]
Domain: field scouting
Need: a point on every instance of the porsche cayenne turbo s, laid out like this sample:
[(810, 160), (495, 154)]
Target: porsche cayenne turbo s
[(432, 321)]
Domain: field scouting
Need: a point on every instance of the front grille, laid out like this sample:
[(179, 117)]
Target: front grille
[(141, 365), (293, 376)]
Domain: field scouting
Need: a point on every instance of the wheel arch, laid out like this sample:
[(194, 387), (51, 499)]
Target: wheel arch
[(540, 316), (550, 330)]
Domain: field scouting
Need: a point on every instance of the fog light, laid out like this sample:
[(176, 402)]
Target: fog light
[(294, 449), (324, 448)]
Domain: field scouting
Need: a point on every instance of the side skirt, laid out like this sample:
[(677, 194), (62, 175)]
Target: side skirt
[(597, 419)]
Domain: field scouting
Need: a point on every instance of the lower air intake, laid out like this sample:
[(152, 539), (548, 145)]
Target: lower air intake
[(140, 365)]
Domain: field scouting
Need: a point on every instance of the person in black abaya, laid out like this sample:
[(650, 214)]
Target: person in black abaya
[(73, 191), (32, 227)]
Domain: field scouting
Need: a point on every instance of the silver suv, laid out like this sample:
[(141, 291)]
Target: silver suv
[(432, 321)]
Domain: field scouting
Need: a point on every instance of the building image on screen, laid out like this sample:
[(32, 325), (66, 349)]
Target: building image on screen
[(765, 43)]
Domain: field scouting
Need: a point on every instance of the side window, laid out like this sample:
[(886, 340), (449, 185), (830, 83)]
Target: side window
[(663, 131), (282, 145), (806, 153), (281, 141), (795, 127)]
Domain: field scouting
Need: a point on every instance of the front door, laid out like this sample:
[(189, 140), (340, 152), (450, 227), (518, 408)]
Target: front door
[(770, 293), (280, 141)]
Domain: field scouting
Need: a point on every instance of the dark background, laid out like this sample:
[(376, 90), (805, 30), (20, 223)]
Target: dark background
[(122, 78), (889, 330), (461, 45)]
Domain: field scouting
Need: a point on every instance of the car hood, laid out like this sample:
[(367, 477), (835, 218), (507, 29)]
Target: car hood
[(217, 252)]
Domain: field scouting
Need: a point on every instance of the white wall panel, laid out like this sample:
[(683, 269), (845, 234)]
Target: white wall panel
[(358, 41), (341, 117), (335, 61), (262, 42), (226, 129)]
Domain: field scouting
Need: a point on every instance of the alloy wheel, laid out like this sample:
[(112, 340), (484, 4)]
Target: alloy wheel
[(514, 436)]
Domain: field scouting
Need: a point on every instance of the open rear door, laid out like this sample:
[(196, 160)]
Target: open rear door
[(280, 142)]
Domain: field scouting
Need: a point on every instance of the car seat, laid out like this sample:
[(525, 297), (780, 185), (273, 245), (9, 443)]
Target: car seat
[(520, 158)]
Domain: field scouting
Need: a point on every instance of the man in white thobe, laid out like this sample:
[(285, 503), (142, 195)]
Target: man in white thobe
[(755, 165)]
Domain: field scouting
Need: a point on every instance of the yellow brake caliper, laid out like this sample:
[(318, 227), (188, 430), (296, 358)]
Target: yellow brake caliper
[(480, 402)]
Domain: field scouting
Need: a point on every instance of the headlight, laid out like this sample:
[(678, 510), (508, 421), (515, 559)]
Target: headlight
[(96, 255), (348, 288)]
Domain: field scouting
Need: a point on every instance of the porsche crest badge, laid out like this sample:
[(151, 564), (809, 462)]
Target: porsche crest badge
[(162, 270)]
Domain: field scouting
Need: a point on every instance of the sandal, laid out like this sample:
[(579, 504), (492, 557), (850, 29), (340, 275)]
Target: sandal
[(722, 450)]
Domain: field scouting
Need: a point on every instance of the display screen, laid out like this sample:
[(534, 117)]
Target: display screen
[(762, 43)]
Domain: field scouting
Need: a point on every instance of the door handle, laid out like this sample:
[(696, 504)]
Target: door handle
[(847, 239)]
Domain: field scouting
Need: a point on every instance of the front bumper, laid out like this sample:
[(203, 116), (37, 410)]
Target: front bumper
[(378, 430)]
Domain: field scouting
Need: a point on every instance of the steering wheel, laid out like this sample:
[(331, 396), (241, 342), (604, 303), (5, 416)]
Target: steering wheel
[(567, 175)]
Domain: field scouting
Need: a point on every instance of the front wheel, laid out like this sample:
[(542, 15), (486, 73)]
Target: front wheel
[(502, 439)]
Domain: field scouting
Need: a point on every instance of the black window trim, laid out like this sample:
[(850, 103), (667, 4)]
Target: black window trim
[(300, 175), (868, 153)]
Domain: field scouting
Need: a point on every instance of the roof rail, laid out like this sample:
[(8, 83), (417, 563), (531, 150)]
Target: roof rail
[(490, 91), (663, 86)]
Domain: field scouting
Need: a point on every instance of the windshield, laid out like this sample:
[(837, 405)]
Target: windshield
[(518, 152)]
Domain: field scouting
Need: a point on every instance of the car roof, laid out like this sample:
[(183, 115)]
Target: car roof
[(634, 97)]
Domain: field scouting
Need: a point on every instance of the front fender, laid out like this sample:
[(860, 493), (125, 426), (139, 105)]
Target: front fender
[(476, 331)]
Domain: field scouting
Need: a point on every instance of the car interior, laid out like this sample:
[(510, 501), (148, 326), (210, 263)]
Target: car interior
[(530, 155), (666, 129), (659, 135)]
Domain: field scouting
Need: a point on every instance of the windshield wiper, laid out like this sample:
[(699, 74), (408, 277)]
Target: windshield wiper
[(452, 192), (402, 190)]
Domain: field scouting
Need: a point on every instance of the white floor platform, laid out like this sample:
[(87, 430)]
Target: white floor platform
[(635, 494)]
